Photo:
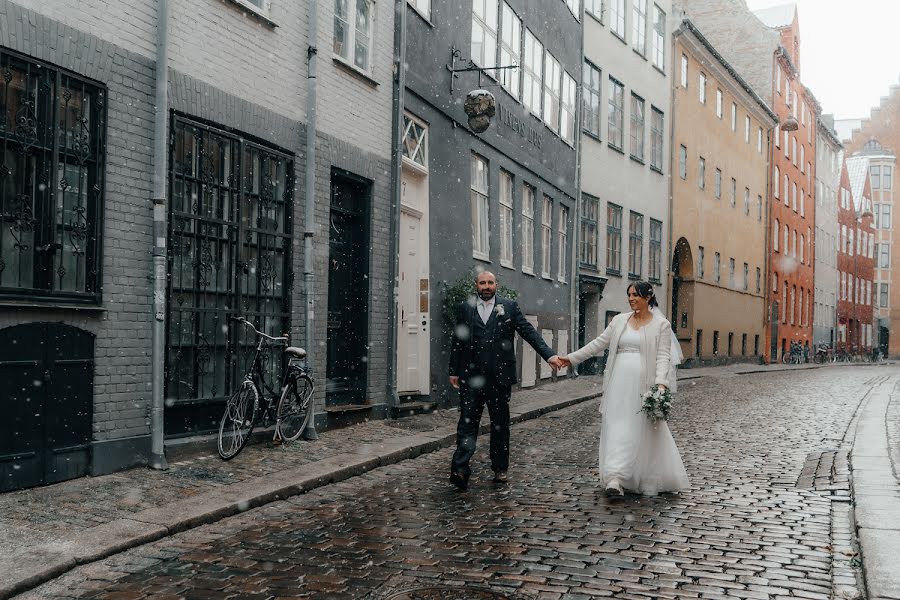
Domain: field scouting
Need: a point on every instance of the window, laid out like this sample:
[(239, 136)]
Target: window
[(552, 83), (715, 342), (415, 141), (883, 295), (884, 262), (718, 184), (700, 261), (775, 234), (506, 219), (52, 192), (590, 208), (759, 140), (702, 88), (563, 239), (784, 191), (746, 201), (613, 238), (794, 151), (784, 289), (875, 176), (759, 207), (639, 26), (684, 71), (546, 235), (733, 193), (886, 173), (885, 216), (682, 162), (655, 250), (802, 203), (802, 244), (481, 239), (787, 146), (777, 136), (776, 181), (532, 84), (510, 49), (590, 105), (733, 116), (702, 173), (731, 273), (758, 280), (594, 7), (717, 265), (876, 213), (353, 31), (635, 244), (802, 158), (423, 6), (484, 33), (786, 248), (719, 109), (747, 129), (637, 127), (528, 229), (574, 6), (616, 113), (658, 46), (617, 17), (567, 116), (794, 243), (793, 302), (656, 139), (794, 195)]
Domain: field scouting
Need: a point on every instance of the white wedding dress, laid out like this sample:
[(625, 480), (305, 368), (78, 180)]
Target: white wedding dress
[(640, 454)]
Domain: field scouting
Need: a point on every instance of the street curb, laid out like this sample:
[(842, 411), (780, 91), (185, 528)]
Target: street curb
[(22, 572)]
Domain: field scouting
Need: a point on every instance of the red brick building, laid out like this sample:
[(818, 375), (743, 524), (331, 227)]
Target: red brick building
[(792, 215), (856, 258)]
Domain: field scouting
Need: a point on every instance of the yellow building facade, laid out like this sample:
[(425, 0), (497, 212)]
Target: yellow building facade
[(720, 205)]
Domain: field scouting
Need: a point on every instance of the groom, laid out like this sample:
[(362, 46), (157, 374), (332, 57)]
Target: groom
[(483, 368)]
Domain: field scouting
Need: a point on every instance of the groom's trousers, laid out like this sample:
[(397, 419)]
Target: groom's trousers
[(471, 405)]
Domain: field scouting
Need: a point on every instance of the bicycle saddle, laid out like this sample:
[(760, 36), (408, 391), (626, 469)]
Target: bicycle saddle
[(295, 352)]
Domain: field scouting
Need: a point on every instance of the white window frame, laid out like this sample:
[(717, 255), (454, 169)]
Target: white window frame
[(528, 195), (532, 74), (486, 20), (684, 70), (423, 7), (510, 50), (720, 104), (658, 38), (552, 92), (349, 23), (615, 133), (567, 109), (506, 219), (639, 26), (657, 138), (637, 127), (563, 241), (481, 208), (617, 22), (546, 236), (702, 86)]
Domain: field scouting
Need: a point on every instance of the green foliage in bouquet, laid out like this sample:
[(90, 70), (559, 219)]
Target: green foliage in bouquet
[(657, 404)]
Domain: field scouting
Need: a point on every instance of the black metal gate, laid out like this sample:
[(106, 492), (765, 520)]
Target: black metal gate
[(229, 254), (47, 370)]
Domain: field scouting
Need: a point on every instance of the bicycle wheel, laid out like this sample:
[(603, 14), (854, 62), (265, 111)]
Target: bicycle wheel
[(786, 358), (294, 407), (238, 420)]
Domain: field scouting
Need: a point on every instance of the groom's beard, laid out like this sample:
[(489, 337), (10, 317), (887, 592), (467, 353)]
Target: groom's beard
[(486, 295)]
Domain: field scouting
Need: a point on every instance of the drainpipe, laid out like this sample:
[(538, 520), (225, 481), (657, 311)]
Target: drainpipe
[(160, 233), (393, 397), (310, 201), (574, 303)]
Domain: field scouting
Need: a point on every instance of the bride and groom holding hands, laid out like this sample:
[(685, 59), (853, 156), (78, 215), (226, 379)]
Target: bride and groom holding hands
[(636, 453)]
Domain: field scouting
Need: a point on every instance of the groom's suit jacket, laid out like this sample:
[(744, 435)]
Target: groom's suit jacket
[(487, 348)]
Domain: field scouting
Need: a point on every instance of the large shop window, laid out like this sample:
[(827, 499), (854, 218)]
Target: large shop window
[(51, 182), (229, 254)]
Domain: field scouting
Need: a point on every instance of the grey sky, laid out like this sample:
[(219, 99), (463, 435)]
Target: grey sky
[(849, 52)]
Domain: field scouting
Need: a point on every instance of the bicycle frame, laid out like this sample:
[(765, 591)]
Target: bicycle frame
[(256, 373)]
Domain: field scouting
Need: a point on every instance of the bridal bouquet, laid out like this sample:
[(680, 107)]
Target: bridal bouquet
[(657, 403)]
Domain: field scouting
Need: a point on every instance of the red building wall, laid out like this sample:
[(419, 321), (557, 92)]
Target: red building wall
[(856, 267)]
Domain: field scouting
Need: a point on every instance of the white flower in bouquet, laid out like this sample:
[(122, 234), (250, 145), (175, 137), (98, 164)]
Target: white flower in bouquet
[(657, 404)]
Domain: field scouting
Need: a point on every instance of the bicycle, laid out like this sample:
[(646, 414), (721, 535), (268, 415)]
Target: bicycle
[(291, 413)]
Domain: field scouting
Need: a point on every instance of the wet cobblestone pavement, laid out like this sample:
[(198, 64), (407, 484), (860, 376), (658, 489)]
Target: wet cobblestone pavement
[(764, 518)]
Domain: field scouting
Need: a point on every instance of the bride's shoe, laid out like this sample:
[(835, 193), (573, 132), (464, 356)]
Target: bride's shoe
[(614, 488)]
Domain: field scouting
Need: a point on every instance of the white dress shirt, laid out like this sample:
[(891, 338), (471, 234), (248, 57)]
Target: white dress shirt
[(485, 308)]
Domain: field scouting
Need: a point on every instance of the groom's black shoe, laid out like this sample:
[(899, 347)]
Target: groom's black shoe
[(501, 477), (460, 481)]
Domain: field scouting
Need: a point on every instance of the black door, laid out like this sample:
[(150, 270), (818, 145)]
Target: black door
[(348, 291), (47, 371)]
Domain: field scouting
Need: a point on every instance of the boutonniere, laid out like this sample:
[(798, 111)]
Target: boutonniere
[(499, 310)]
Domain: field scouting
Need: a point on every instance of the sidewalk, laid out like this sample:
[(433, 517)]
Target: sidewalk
[(47, 531)]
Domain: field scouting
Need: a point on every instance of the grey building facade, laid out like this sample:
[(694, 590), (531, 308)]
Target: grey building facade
[(501, 200), (829, 160), (76, 277)]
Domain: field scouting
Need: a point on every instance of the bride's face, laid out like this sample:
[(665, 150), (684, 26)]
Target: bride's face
[(637, 303)]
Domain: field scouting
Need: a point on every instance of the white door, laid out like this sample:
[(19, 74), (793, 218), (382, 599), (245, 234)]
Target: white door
[(414, 310)]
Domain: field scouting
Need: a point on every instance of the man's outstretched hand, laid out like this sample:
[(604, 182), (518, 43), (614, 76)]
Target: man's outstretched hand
[(454, 381), (558, 362)]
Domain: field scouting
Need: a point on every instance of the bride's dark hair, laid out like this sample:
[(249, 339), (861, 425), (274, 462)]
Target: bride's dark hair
[(644, 290)]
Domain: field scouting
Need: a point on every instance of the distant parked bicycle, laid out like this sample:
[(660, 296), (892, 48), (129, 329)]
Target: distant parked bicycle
[(823, 354), (290, 414), (794, 356), (841, 355)]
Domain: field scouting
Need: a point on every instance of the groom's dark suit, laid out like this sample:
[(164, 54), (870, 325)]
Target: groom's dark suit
[(483, 357)]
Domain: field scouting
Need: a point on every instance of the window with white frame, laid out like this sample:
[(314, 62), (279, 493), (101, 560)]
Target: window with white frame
[(759, 140), (484, 34), (884, 261), (802, 244), (617, 17), (777, 182), (422, 6), (802, 158), (563, 242), (785, 190), (590, 211), (776, 232), (552, 84), (595, 8), (546, 235), (777, 136), (656, 139), (784, 288), (701, 261), (717, 267), (353, 30), (786, 248), (886, 175), (613, 238), (747, 129), (655, 264), (684, 71), (567, 114), (635, 244), (702, 88), (658, 42), (733, 116), (415, 141), (639, 26), (574, 8), (701, 173), (719, 104), (616, 114), (480, 193), (528, 229), (746, 201), (794, 196), (590, 99), (682, 162), (532, 82), (733, 192), (637, 127), (759, 207), (506, 219), (717, 186), (746, 277), (510, 49), (802, 203)]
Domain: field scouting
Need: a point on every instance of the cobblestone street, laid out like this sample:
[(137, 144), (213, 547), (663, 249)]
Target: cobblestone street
[(766, 515)]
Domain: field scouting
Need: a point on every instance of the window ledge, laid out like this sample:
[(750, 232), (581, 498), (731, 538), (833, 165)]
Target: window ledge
[(615, 148), (528, 272), (355, 71), (619, 37), (547, 276), (637, 159), (592, 135), (614, 272), (88, 308), (506, 264), (254, 12), (481, 257), (659, 70), (656, 169)]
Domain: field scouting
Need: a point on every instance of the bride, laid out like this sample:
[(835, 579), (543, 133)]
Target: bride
[(635, 453)]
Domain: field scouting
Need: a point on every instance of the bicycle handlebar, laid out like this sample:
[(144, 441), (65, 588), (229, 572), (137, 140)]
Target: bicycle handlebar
[(247, 323)]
